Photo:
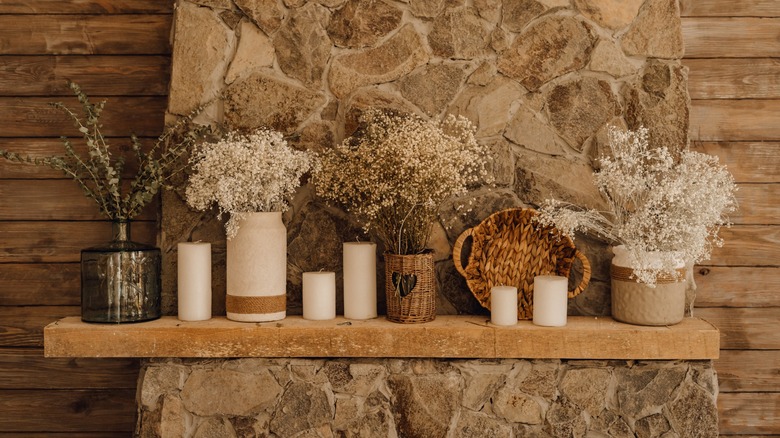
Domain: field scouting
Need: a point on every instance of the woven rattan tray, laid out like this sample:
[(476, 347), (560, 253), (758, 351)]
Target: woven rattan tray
[(509, 248)]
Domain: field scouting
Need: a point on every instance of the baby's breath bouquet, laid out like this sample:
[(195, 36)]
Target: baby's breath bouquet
[(99, 173), (243, 173), (396, 170), (664, 209)]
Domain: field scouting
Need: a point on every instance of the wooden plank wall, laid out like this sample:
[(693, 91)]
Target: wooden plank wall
[(733, 53), (116, 50)]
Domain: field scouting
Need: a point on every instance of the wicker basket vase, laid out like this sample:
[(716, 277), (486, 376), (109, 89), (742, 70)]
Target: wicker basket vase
[(410, 285)]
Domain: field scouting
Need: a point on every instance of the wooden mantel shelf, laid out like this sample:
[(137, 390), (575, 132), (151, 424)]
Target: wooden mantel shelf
[(446, 337)]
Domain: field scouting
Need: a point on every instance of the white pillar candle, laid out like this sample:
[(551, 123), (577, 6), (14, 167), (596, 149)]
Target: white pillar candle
[(550, 300), (194, 281), (319, 295), (503, 305), (359, 280)]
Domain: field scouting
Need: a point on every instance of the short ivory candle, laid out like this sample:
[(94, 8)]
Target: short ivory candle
[(550, 300), (503, 305), (194, 281), (319, 295), (359, 280)]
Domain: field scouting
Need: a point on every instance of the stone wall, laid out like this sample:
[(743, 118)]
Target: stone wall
[(426, 398), (541, 80)]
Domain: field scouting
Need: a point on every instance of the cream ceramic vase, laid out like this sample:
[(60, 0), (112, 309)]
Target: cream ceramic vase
[(257, 269), (638, 303)]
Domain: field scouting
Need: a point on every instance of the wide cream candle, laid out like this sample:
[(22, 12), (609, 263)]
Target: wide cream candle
[(359, 280), (550, 300), (503, 305), (319, 295), (194, 281)]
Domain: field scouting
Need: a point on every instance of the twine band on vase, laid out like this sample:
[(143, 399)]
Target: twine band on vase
[(622, 273), (256, 304)]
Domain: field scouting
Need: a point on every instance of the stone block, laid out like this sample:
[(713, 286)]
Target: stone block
[(432, 87), (612, 14), (302, 406), (254, 52), (284, 105), (397, 56), (488, 107), (361, 23), (478, 425), (267, 14), (458, 34), (201, 42), (546, 50), (579, 108), (656, 32), (587, 388), (227, 392), (423, 405), (303, 46)]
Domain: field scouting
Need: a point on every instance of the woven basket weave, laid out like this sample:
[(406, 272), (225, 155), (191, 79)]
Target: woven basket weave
[(509, 248), (420, 304)]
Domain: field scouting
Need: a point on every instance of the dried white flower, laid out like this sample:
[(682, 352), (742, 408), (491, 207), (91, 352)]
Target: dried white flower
[(256, 172), (396, 171), (657, 204)]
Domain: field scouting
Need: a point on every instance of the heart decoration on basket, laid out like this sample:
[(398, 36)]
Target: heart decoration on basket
[(510, 248)]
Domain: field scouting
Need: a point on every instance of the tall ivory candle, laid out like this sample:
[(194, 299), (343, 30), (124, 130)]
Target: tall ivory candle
[(503, 305), (359, 280), (319, 295), (194, 281), (550, 300)]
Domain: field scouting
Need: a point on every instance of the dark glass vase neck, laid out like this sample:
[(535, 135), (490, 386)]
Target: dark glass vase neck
[(120, 230)]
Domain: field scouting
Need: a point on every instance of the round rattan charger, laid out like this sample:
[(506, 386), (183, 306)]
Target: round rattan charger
[(510, 248)]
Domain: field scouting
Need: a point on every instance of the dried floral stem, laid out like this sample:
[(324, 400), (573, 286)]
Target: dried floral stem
[(662, 208), (256, 172), (396, 170), (100, 176)]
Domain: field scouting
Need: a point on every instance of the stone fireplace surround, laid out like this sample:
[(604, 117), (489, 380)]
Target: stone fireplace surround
[(458, 376), (541, 80)]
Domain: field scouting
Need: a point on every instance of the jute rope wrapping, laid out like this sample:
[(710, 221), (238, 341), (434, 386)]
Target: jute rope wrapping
[(622, 273), (420, 304), (509, 249), (256, 304)]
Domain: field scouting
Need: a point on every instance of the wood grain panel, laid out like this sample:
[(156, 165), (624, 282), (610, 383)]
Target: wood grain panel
[(26, 368), (748, 245), (730, 8), (733, 78), (745, 329), (35, 117), (758, 204), (44, 242), (749, 162), (42, 200), (735, 120), (720, 286), (749, 413), (23, 326), (731, 37), (85, 7), (124, 434), (35, 284), (67, 411), (85, 35), (101, 75), (746, 370), (46, 147)]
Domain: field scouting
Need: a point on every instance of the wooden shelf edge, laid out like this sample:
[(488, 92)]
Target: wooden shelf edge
[(446, 337)]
